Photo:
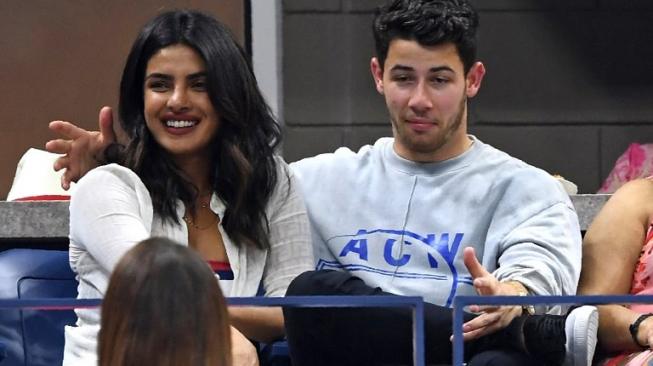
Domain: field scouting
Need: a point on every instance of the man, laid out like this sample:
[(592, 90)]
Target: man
[(398, 214), (410, 214)]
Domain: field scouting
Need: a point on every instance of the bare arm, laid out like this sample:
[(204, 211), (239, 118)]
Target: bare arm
[(289, 255), (243, 352), (258, 323), (82, 149), (611, 248)]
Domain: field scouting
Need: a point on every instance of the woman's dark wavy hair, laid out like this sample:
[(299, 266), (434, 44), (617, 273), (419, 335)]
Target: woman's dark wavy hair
[(244, 171), (430, 23)]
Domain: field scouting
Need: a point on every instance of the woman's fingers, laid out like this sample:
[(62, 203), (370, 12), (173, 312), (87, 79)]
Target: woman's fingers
[(66, 129), (58, 146)]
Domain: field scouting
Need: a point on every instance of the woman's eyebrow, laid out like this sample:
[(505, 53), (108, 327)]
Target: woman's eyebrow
[(197, 75), (157, 75)]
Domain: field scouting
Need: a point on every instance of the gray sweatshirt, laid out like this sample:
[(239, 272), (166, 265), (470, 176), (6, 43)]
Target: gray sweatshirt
[(402, 225)]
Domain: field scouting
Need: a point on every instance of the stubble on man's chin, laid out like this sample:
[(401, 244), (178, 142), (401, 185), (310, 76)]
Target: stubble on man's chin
[(435, 146)]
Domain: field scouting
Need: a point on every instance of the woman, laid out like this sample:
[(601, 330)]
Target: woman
[(160, 276), (199, 168), (617, 259)]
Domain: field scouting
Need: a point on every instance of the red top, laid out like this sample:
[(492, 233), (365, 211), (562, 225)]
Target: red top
[(45, 197), (219, 266), (222, 269)]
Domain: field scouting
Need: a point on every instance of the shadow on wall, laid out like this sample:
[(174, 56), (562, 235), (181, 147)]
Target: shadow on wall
[(566, 65), (568, 85), (567, 88)]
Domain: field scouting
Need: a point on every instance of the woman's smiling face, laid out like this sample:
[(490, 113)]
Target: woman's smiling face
[(177, 107)]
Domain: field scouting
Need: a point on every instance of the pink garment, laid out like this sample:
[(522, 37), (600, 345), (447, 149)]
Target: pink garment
[(635, 162), (643, 358), (642, 285)]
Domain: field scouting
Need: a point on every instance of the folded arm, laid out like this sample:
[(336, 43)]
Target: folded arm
[(611, 249)]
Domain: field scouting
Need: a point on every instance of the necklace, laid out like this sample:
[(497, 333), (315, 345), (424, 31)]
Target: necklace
[(191, 222)]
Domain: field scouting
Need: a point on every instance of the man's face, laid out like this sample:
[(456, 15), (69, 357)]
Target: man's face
[(426, 93)]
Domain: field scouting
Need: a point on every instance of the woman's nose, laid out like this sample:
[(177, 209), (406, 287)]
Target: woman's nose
[(178, 99)]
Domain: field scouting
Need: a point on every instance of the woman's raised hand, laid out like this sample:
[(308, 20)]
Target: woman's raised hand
[(83, 150)]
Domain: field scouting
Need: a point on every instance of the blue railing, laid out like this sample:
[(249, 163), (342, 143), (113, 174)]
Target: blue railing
[(415, 303), (461, 301)]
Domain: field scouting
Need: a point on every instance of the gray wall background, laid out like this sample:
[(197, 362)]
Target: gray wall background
[(568, 87)]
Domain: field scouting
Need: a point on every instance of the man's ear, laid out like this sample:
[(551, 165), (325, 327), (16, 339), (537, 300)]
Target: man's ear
[(377, 74), (474, 78)]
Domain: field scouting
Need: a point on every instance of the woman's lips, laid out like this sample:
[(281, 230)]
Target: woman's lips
[(179, 126)]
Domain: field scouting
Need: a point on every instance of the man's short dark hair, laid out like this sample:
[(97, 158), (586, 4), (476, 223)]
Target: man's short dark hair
[(430, 23)]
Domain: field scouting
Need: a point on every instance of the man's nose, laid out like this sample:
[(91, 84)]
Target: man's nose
[(420, 99)]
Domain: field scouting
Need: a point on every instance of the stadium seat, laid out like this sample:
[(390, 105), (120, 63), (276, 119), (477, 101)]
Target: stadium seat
[(3, 351), (34, 337)]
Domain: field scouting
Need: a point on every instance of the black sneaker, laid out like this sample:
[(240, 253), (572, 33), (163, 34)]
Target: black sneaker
[(563, 340), (545, 338)]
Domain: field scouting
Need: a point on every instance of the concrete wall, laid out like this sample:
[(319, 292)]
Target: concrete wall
[(569, 83)]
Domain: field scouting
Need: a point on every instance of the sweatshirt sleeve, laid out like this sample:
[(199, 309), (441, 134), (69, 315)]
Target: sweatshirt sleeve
[(540, 243)]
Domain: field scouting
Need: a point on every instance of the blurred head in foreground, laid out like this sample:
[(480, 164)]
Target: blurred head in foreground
[(163, 307)]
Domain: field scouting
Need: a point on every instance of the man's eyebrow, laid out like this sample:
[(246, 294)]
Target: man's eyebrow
[(441, 68), (400, 67)]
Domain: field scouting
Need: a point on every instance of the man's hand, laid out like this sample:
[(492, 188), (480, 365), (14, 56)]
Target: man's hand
[(492, 318), (243, 352), (82, 148)]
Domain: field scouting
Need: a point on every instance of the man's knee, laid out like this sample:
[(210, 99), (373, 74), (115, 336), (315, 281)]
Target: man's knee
[(315, 283), (301, 284)]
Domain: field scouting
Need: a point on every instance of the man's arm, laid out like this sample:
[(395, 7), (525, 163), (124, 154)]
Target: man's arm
[(537, 239), (83, 149), (534, 237)]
